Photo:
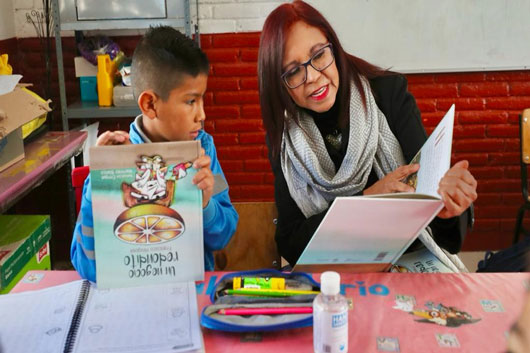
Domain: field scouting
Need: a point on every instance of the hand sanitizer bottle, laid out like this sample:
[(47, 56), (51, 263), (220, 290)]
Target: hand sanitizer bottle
[(330, 316)]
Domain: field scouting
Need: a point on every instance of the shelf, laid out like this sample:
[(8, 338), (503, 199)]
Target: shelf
[(121, 24), (43, 157), (66, 17), (88, 110)]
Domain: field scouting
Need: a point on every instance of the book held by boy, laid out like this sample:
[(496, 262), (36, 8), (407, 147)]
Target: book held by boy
[(147, 214), (77, 317), (370, 233)]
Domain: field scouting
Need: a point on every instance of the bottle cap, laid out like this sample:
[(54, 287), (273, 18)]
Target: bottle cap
[(330, 283)]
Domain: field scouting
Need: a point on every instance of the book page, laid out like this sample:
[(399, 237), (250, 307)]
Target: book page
[(37, 321), (156, 318), (434, 157), (147, 214)]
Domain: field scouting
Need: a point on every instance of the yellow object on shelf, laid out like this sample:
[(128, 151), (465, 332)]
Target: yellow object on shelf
[(105, 79), (5, 68)]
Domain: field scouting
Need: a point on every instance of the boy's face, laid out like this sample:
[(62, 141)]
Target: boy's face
[(180, 117)]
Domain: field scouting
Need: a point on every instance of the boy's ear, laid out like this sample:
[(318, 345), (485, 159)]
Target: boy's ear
[(147, 102)]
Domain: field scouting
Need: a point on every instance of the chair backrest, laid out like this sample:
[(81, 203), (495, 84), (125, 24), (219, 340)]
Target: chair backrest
[(524, 134), (253, 245), (79, 175), (524, 124)]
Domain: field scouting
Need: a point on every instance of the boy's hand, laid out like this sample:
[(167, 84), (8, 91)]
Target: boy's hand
[(458, 189), (113, 138), (393, 181), (204, 177)]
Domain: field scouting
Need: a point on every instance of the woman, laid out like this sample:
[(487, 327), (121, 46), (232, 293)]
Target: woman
[(339, 126)]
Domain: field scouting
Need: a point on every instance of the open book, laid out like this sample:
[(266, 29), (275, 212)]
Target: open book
[(370, 233), (147, 214), (77, 317)]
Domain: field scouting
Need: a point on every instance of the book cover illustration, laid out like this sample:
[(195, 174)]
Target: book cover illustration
[(147, 214), (419, 261), (435, 313)]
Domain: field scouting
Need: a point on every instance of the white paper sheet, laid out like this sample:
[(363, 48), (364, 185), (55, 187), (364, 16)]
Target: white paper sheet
[(8, 83)]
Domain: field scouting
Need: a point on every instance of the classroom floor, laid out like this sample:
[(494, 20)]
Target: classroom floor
[(471, 259)]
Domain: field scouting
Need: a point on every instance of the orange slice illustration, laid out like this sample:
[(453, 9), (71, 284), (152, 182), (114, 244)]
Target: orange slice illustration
[(148, 224)]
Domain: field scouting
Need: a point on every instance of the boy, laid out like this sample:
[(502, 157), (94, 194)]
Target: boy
[(169, 76)]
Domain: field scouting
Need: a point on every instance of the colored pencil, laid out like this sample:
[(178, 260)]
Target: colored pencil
[(267, 311), (269, 292)]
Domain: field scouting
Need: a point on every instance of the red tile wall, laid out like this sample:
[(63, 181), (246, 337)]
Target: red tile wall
[(486, 129)]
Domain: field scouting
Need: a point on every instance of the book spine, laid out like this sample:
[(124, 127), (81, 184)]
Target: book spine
[(76, 318)]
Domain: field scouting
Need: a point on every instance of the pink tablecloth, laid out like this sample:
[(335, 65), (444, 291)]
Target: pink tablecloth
[(392, 313)]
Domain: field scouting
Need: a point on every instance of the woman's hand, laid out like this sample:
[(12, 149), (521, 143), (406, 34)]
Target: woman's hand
[(204, 177), (113, 138), (393, 181), (458, 189)]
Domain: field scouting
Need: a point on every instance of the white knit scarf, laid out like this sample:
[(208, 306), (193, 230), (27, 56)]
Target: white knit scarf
[(309, 171)]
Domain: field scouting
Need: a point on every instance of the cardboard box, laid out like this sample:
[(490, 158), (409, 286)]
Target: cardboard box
[(88, 86), (21, 237), (87, 74), (11, 149), (16, 109), (84, 68), (123, 96), (40, 261)]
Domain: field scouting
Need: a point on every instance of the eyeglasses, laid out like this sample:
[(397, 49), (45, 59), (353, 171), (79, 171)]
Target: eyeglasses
[(319, 61)]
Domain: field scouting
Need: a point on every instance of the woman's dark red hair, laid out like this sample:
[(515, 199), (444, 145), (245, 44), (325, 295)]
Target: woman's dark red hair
[(274, 97)]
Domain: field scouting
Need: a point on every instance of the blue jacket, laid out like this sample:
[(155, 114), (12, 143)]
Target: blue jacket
[(219, 217)]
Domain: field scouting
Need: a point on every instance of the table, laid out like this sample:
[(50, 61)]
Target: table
[(376, 323), (42, 158)]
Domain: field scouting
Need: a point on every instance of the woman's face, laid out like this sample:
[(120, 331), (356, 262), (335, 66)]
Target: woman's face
[(319, 91)]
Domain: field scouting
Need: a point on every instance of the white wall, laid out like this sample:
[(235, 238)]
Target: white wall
[(215, 16), (438, 36), (7, 24), (225, 16)]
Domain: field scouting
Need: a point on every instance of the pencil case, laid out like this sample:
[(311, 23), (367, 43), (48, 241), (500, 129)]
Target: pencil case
[(212, 318)]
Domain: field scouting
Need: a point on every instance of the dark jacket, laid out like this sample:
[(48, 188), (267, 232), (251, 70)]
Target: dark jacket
[(294, 230)]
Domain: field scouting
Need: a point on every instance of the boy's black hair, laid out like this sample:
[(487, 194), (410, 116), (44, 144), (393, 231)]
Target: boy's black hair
[(162, 58)]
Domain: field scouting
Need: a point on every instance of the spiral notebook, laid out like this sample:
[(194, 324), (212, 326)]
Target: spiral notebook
[(79, 318)]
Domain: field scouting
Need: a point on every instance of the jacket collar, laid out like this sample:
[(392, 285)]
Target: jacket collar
[(136, 132)]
